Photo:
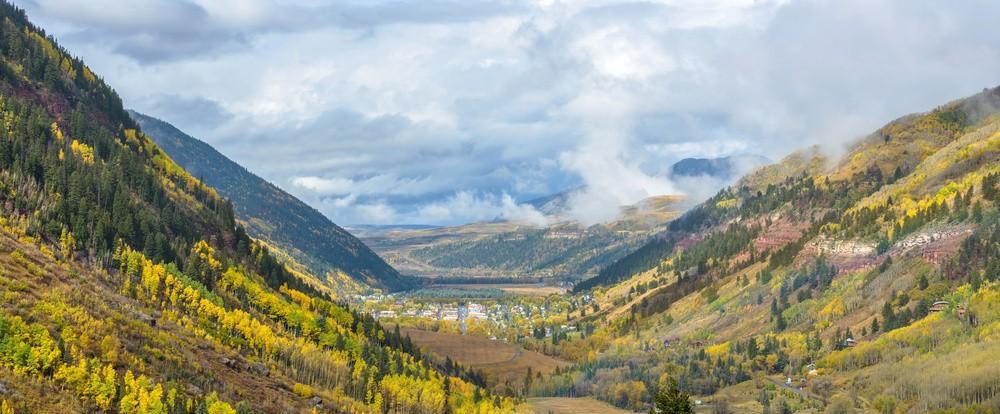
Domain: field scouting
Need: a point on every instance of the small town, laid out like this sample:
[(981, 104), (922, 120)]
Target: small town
[(506, 319)]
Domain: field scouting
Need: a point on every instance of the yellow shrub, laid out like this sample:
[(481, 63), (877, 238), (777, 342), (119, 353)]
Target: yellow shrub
[(727, 203), (718, 349), (832, 310), (302, 390)]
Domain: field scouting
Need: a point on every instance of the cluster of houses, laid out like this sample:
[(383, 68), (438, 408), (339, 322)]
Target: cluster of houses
[(448, 312), (500, 315)]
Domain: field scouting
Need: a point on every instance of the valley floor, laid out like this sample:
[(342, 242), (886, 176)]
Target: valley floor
[(500, 361), (561, 405)]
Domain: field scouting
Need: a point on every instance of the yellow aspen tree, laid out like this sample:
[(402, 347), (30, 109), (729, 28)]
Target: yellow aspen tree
[(141, 396), (67, 244), (56, 132), (109, 348), (130, 395), (217, 406), (88, 75), (67, 67), (84, 151), (102, 387), (72, 375)]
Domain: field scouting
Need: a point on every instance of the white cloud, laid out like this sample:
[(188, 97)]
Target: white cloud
[(624, 55), (384, 184), (466, 206), (334, 185), (612, 178), (378, 213), (391, 111)]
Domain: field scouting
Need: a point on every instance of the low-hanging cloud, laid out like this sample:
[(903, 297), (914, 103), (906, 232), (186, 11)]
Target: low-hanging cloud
[(443, 111), (467, 206), (611, 179)]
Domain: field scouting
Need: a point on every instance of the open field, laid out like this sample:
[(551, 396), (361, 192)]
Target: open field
[(500, 361), (561, 405)]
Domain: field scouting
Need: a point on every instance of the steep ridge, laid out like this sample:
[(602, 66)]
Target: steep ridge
[(271, 214), (867, 282), (127, 285)]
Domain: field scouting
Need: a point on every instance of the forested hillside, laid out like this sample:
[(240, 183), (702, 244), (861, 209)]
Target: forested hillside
[(128, 286), (271, 214), (566, 250), (866, 283)]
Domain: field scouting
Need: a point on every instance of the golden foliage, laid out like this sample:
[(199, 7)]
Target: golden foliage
[(833, 310), (26, 348), (83, 151), (717, 350), (141, 396), (302, 390), (412, 395), (88, 75), (90, 381)]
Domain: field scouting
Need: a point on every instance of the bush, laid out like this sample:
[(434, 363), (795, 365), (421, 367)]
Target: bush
[(302, 390)]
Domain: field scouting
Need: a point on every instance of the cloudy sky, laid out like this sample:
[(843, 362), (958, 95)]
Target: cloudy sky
[(449, 111)]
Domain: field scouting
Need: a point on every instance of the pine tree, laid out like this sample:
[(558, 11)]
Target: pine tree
[(672, 400), (446, 388), (888, 317), (922, 282), (528, 378)]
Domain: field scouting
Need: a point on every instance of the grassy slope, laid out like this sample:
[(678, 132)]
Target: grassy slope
[(939, 159), (81, 303)]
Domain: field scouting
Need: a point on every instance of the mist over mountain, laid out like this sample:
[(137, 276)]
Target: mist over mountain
[(689, 175)]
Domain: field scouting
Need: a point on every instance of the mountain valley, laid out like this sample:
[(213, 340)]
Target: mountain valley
[(142, 271)]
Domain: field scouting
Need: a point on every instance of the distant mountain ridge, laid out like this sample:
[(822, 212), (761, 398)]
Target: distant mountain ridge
[(272, 214), (554, 204), (564, 250), (724, 167)]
